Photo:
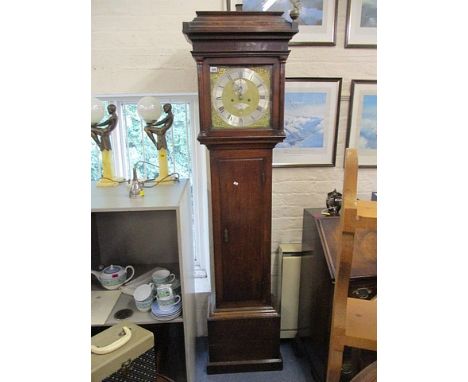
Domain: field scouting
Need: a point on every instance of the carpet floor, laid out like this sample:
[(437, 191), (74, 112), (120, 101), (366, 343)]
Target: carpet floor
[(294, 369)]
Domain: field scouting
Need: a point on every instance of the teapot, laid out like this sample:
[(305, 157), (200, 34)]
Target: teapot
[(113, 276)]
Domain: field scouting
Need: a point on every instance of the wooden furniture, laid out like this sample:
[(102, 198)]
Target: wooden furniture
[(154, 230), (354, 321), (241, 59), (319, 246)]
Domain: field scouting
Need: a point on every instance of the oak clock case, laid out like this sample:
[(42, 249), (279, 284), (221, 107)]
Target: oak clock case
[(241, 59)]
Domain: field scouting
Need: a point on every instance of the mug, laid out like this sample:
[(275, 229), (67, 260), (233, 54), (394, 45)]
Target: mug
[(164, 292), (143, 296), (168, 304), (162, 276)]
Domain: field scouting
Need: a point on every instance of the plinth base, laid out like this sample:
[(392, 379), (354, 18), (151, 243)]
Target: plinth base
[(244, 340), (244, 366)]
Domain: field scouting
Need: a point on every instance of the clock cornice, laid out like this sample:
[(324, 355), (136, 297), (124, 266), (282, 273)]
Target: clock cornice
[(239, 25)]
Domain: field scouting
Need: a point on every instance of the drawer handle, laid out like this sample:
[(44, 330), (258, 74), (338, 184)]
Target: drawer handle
[(226, 235)]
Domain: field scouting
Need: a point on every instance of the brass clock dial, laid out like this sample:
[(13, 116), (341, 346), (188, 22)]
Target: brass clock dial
[(240, 96)]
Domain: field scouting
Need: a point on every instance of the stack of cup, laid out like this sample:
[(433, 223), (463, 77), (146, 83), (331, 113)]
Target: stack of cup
[(144, 296), (164, 276), (167, 305), (159, 296)]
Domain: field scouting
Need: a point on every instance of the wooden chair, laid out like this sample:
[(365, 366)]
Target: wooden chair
[(354, 321)]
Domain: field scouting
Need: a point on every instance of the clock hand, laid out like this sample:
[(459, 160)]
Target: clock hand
[(240, 88)]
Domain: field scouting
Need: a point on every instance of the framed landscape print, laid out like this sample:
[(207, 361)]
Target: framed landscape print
[(317, 18), (362, 121), (311, 114), (361, 24)]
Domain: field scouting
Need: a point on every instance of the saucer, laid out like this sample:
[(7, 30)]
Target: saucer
[(175, 314), (160, 312), (157, 311), (166, 318)]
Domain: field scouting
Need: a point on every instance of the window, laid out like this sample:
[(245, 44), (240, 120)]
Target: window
[(132, 147), (136, 150)]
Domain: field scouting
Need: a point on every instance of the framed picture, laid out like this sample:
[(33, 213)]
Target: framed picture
[(317, 18), (311, 115), (361, 24), (362, 121)]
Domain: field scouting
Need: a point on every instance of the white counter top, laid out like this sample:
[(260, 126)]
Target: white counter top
[(165, 196)]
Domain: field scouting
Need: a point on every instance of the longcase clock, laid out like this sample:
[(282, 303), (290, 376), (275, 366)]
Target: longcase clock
[(241, 59)]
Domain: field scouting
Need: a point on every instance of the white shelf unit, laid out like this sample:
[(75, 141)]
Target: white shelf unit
[(153, 230)]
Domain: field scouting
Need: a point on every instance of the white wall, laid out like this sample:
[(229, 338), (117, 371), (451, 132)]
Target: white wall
[(138, 47)]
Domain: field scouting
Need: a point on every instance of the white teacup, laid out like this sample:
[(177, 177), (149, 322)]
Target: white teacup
[(162, 276), (168, 304), (164, 292), (143, 296)]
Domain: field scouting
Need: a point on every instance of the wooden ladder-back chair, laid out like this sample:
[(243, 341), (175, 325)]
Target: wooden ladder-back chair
[(354, 321)]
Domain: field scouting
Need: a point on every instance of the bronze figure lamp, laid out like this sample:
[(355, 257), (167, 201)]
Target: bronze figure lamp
[(149, 110), (100, 133)]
